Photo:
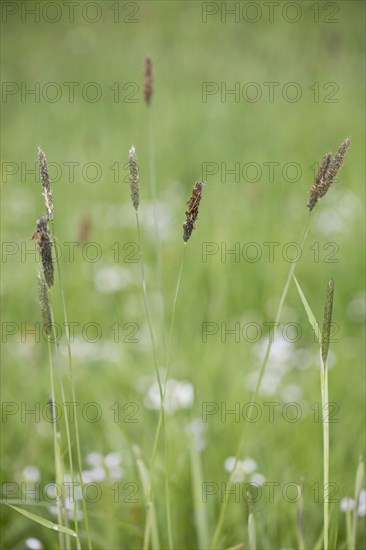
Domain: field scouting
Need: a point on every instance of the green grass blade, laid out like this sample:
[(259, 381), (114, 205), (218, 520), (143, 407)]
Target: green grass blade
[(333, 528), (44, 522), (151, 526), (310, 314), (319, 543), (200, 509), (358, 487), (251, 532)]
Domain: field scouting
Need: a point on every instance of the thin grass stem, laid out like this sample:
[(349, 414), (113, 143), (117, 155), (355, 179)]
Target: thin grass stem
[(56, 448), (154, 197), (358, 486), (150, 524), (67, 425), (325, 415), (168, 368)]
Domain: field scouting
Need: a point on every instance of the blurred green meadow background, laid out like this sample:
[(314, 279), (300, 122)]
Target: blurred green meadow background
[(296, 76)]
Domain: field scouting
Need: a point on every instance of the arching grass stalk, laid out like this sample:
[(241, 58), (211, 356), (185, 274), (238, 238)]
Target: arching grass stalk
[(324, 179), (262, 370)]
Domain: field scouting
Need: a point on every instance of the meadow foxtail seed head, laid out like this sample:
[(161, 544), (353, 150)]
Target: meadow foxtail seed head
[(44, 246), (192, 210), (148, 80), (328, 170), (134, 177), (328, 309), (44, 302), (46, 184)]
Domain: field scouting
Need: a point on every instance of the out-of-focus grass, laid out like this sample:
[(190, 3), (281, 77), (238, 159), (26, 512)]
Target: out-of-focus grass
[(188, 133)]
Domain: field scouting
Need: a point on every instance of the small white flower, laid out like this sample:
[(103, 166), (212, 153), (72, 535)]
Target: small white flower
[(248, 465), (237, 474), (361, 508), (258, 479), (33, 544), (347, 504), (31, 473), (112, 278), (229, 463), (111, 460), (94, 459), (87, 476), (98, 473), (243, 468), (179, 395)]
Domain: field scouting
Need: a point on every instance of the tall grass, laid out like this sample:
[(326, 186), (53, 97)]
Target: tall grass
[(44, 244), (154, 535)]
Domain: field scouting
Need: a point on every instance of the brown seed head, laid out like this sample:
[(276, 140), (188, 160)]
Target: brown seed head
[(328, 170), (148, 80), (192, 210), (44, 246), (134, 177), (46, 184)]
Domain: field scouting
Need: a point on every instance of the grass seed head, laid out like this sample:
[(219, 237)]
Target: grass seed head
[(44, 302), (134, 177), (192, 210), (328, 308), (148, 80), (328, 170), (44, 246), (46, 184)]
